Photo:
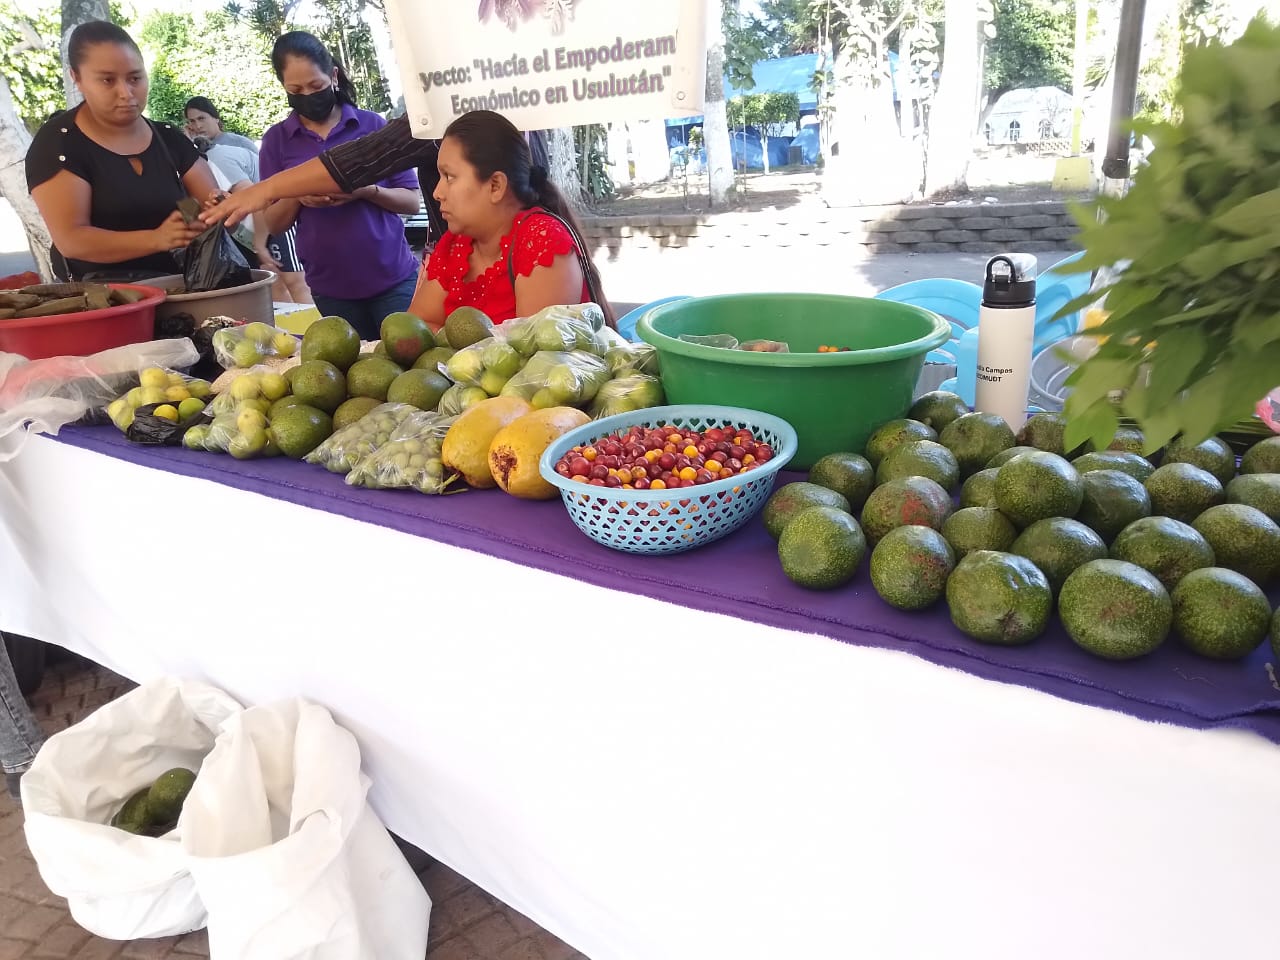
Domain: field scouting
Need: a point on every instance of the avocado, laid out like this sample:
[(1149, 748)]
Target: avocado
[(465, 326), (1125, 439), (1058, 546), (1115, 609), (1183, 491), (1135, 466), (938, 408), (975, 438), (1004, 456), (1038, 485), (167, 794), (133, 816), (893, 434), (910, 567), (1219, 613), (999, 598), (1243, 539), (1258, 490), (1275, 634), (1212, 455), (978, 528), (920, 458), (1045, 431), (1167, 548), (980, 489), (904, 502), (848, 474), (1262, 457), (1112, 500), (821, 548), (788, 500)]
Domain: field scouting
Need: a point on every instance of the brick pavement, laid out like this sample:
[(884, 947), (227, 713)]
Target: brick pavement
[(466, 923)]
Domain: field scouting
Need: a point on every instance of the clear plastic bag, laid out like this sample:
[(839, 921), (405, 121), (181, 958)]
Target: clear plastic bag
[(343, 451), (559, 379), (410, 459), (558, 328), (488, 364), (626, 394), (248, 344), (240, 431), (162, 394), (42, 396), (724, 341), (458, 398), (627, 357)]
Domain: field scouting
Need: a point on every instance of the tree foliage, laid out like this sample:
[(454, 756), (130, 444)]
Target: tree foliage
[(212, 56), (31, 62), (764, 111), (1033, 45)]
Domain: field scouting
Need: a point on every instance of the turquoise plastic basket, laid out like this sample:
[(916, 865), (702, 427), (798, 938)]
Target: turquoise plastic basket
[(670, 521)]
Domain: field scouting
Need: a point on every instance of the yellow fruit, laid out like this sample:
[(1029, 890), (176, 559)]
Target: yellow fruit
[(466, 446), (285, 344), (153, 377), (249, 420), (166, 411), (176, 394), (260, 332), (189, 407), (177, 380), (246, 387), (516, 449), (273, 386), (134, 397), (116, 407), (152, 395)]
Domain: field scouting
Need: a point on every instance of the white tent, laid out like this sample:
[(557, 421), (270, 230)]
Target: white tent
[(1030, 115)]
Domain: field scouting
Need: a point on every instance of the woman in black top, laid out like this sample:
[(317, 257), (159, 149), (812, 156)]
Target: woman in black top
[(105, 178)]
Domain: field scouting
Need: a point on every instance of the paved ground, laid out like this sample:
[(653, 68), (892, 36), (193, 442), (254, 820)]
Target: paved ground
[(466, 923)]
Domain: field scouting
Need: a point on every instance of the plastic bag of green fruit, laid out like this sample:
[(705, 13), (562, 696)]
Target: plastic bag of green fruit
[(488, 364), (626, 358), (578, 326), (458, 398), (637, 391), (410, 460), (247, 345), (175, 396), (258, 386), (558, 379), (241, 432), (344, 451)]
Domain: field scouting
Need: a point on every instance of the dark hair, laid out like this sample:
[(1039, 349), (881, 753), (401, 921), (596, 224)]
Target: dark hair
[(299, 43), (204, 105), (90, 34), (492, 144)]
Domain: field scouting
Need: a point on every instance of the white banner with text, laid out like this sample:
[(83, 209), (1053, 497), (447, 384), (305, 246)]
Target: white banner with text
[(549, 63)]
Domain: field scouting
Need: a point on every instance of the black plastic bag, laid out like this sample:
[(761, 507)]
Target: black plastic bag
[(214, 262), (148, 428)]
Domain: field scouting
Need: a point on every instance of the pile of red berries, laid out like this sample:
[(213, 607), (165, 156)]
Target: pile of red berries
[(664, 458)]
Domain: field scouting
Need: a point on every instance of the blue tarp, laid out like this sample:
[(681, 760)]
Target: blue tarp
[(807, 141)]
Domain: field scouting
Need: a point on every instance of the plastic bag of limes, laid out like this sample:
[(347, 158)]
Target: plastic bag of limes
[(410, 459), (251, 343), (172, 397), (344, 451)]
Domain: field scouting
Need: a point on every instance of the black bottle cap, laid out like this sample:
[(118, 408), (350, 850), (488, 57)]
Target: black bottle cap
[(1010, 281)]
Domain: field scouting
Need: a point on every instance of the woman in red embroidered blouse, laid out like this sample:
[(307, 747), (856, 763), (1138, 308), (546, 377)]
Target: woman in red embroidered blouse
[(513, 245)]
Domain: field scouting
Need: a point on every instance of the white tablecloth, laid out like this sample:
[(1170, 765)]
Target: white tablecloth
[(651, 782)]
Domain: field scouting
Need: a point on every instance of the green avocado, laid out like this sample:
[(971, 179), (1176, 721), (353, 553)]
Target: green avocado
[(1036, 486), (1112, 500), (910, 567), (1058, 546), (1220, 614), (999, 598), (1243, 539), (1115, 610), (1168, 549)]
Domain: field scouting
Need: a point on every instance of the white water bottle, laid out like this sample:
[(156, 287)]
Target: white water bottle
[(1006, 334)]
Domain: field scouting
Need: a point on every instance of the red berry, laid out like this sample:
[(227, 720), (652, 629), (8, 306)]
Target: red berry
[(599, 471), (667, 461)]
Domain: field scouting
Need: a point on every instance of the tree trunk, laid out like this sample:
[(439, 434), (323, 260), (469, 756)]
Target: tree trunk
[(14, 141), (74, 13), (871, 162), (954, 115), (563, 168), (715, 121)]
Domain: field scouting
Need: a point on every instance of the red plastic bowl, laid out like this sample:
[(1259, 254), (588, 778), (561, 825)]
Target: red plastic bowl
[(87, 332)]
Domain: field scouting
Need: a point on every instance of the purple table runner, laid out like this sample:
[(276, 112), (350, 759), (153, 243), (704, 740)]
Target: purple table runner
[(740, 577)]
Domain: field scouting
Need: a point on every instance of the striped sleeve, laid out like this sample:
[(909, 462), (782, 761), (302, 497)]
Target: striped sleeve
[(378, 155)]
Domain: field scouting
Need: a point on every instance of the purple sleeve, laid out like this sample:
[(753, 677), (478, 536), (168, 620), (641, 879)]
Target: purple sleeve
[(269, 161)]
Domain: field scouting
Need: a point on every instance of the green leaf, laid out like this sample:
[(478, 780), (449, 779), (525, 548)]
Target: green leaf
[(1097, 422), (1257, 216)]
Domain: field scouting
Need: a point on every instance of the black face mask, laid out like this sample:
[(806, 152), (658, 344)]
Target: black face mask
[(314, 106)]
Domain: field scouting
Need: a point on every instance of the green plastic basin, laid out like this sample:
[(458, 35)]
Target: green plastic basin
[(834, 400)]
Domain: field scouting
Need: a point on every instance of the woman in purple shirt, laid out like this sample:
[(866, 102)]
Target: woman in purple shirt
[(352, 245)]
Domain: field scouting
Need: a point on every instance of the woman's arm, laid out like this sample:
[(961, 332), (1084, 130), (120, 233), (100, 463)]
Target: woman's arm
[(428, 302), (399, 200), (378, 156), (275, 197), (561, 282), (199, 181), (64, 201)]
